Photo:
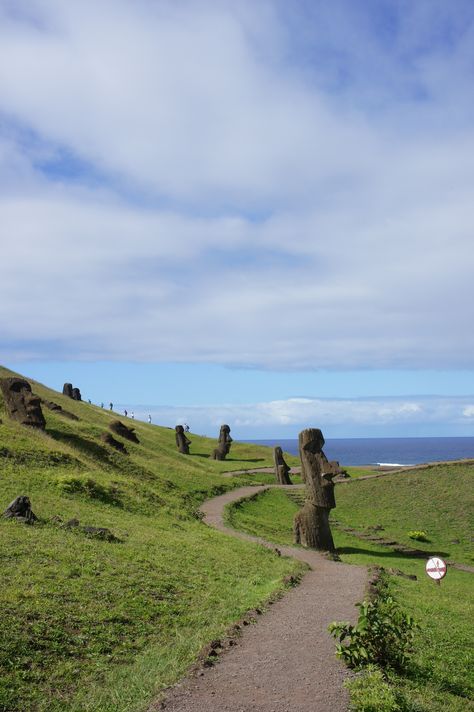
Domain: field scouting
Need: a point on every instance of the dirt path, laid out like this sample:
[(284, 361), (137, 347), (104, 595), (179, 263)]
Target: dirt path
[(286, 661)]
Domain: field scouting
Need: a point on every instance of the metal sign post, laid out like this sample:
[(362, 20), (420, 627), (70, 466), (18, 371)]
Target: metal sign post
[(436, 569)]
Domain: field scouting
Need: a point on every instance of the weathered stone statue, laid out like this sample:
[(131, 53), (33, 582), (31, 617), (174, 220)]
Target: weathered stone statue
[(21, 404), (117, 427), (71, 392), (282, 470), (182, 441), (20, 509), (311, 523), (67, 390), (223, 446)]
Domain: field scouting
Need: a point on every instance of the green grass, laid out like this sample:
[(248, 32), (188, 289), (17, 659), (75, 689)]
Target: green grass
[(90, 625), (436, 500)]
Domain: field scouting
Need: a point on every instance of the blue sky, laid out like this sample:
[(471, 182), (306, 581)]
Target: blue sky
[(253, 212)]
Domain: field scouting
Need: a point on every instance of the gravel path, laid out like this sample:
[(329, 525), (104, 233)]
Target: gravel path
[(286, 661)]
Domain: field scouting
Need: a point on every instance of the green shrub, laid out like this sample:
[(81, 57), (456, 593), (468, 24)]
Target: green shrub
[(370, 693), (418, 535), (382, 636), (90, 488)]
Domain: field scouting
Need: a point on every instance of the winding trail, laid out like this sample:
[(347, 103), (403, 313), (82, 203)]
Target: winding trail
[(286, 661)]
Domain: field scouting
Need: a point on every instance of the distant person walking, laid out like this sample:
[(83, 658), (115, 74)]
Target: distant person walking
[(101, 405), (132, 415), (186, 428), (149, 419), (125, 413), (111, 406)]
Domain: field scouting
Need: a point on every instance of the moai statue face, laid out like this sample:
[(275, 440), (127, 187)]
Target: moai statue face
[(22, 405), (315, 472)]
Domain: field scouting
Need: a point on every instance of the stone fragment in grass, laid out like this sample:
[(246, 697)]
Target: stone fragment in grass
[(58, 409), (20, 509), (108, 439), (119, 428)]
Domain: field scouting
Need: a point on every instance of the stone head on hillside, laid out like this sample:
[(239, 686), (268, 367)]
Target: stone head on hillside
[(223, 445), (182, 441), (71, 392), (20, 509), (311, 525), (282, 470), (21, 404), (119, 428)]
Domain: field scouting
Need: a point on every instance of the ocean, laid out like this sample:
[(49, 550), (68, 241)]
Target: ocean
[(386, 451)]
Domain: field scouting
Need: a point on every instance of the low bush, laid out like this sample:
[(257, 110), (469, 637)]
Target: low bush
[(382, 636), (418, 535)]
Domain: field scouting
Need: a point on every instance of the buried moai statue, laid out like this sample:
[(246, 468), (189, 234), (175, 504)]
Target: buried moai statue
[(182, 441), (311, 523), (223, 446), (282, 470), (20, 509), (21, 404)]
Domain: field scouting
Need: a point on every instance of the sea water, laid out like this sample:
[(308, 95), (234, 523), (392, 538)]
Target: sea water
[(386, 451)]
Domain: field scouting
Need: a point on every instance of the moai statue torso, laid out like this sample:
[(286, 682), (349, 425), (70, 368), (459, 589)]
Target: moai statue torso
[(182, 441), (282, 470), (21, 404), (223, 446)]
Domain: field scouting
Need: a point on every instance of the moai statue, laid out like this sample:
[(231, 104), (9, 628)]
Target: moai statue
[(311, 523), (76, 394), (20, 509), (182, 441), (282, 470), (223, 446), (67, 390), (21, 404)]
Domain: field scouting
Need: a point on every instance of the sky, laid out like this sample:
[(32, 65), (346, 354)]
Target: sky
[(253, 213)]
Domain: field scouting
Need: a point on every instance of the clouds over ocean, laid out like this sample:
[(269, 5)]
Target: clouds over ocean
[(256, 184)]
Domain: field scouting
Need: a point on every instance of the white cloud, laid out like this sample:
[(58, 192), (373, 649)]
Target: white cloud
[(180, 184), (468, 411)]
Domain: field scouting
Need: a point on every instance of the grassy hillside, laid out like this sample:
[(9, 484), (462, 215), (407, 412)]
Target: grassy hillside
[(437, 500), (95, 625)]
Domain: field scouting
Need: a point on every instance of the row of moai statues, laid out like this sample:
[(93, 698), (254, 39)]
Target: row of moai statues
[(71, 392), (219, 453)]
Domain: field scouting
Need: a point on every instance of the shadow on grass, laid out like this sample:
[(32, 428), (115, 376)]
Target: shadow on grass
[(388, 554), (199, 454), (242, 459)]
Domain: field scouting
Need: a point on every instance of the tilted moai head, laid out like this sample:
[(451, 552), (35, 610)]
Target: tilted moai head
[(282, 470), (21, 404), (223, 446), (76, 394), (67, 390), (182, 441), (316, 471)]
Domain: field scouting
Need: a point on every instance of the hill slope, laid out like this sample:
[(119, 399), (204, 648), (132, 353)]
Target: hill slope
[(90, 624)]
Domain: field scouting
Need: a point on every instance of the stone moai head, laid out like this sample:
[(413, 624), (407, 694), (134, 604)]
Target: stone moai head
[(223, 445), (314, 469), (22, 405), (76, 394), (67, 390), (182, 441)]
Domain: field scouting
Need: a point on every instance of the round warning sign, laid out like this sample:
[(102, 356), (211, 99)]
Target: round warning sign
[(436, 568)]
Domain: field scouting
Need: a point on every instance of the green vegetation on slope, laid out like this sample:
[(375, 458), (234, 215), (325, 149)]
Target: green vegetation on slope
[(91, 625), (437, 500)]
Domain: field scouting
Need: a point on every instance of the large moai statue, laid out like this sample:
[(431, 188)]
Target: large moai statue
[(21, 404), (223, 446), (311, 523), (182, 441), (282, 470)]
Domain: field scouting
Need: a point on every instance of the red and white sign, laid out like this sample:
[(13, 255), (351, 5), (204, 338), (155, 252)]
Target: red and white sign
[(436, 568)]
